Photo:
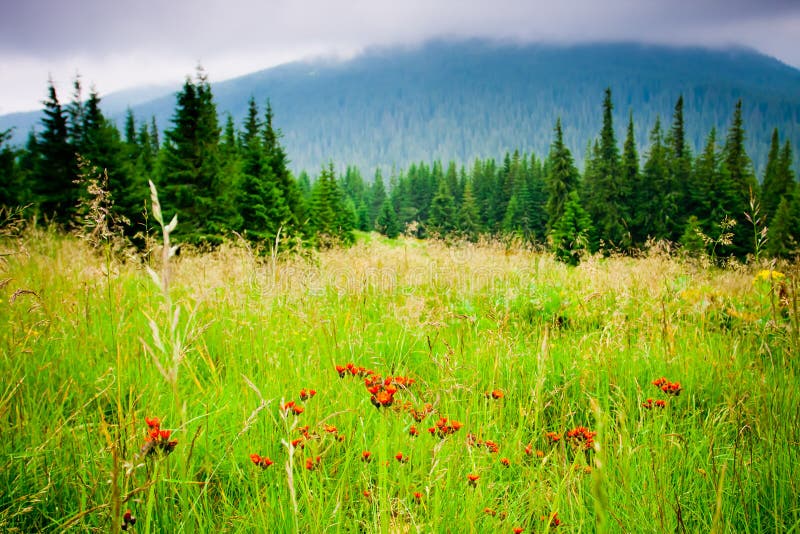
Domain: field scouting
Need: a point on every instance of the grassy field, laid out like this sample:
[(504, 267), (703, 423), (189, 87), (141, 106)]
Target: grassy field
[(495, 357)]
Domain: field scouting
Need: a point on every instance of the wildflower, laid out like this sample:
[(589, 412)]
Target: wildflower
[(413, 432), (382, 399), (330, 429), (417, 496), (528, 449), (587, 470), (518, 530), (553, 437), (306, 394), (299, 442), (495, 394), (505, 461), (539, 454), (312, 463), (128, 520), (489, 511), (473, 479), (661, 403), (261, 461), (581, 436), (648, 404), (400, 458), (341, 370), (157, 440), (768, 274), (366, 456), (366, 493)]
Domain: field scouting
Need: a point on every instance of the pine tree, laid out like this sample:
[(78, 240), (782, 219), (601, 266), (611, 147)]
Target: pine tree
[(652, 191), (572, 232), (740, 170), (331, 218), (630, 181), (679, 161), (604, 196), (279, 163), (468, 216), (442, 218), (12, 193), (190, 166), (377, 195), (784, 227), (262, 209), (386, 222), (778, 179), (53, 178), (562, 178)]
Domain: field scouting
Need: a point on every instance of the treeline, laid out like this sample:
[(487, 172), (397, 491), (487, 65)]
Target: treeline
[(222, 179)]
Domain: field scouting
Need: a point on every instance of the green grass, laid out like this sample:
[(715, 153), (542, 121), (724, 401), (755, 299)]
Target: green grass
[(567, 347)]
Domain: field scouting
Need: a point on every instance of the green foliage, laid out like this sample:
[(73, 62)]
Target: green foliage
[(562, 177), (332, 215), (784, 227), (442, 215), (387, 222), (572, 234)]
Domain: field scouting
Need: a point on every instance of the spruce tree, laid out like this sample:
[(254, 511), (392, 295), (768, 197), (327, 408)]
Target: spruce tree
[(572, 233), (778, 177), (190, 166), (468, 215), (784, 227), (740, 171), (562, 178), (442, 214), (652, 191), (604, 199), (53, 179), (386, 223), (279, 163), (630, 181), (11, 188)]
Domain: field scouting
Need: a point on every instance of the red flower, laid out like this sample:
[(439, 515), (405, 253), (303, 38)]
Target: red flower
[(518, 530), (492, 446), (341, 370), (330, 429), (553, 437), (157, 440), (400, 458), (417, 496), (153, 422), (413, 432), (661, 403), (505, 461), (472, 478), (306, 394), (495, 394), (489, 511), (367, 493), (262, 461), (312, 463), (127, 520), (553, 518), (366, 456)]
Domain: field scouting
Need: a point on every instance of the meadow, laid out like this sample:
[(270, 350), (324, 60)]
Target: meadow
[(394, 386)]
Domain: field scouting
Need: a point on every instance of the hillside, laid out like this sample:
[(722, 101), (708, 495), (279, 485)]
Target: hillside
[(468, 99)]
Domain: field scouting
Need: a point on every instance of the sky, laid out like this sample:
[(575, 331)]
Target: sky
[(118, 44)]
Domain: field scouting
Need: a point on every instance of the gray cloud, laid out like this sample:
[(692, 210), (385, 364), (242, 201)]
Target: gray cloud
[(128, 42)]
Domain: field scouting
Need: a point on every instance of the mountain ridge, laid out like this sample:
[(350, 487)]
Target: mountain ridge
[(462, 99)]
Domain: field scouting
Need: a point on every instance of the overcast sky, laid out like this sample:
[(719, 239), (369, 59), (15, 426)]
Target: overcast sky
[(116, 44)]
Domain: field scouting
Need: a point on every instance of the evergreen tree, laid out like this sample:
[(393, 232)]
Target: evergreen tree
[(442, 218), (630, 181), (279, 163), (679, 158), (691, 240), (386, 222), (740, 170), (652, 192), (778, 179), (562, 178), (262, 209), (53, 179), (331, 218), (784, 228), (11, 187), (190, 166), (572, 232), (604, 200), (468, 216), (377, 195)]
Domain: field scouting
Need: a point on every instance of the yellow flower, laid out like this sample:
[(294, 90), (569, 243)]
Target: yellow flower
[(767, 275)]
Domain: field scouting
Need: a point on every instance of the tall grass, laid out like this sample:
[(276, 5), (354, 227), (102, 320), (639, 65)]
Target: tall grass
[(565, 347)]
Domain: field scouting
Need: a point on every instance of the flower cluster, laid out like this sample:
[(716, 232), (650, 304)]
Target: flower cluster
[(352, 370), (765, 275), (306, 394), (670, 388), (444, 427), (313, 463), (305, 435), (293, 407), (400, 457), (472, 479), (474, 441), (261, 461), (419, 414), (495, 394), (157, 440), (128, 520), (582, 437), (553, 437), (649, 403)]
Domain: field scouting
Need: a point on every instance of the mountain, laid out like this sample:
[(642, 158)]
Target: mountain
[(458, 100)]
